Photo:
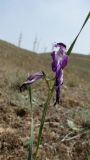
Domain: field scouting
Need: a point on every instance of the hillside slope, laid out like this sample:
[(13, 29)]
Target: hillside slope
[(12, 57), (66, 134)]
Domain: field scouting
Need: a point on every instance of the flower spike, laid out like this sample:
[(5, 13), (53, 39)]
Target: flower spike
[(59, 61)]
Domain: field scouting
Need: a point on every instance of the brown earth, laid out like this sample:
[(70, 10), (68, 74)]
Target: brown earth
[(66, 133)]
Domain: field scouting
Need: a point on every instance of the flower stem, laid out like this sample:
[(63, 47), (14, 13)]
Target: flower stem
[(50, 93), (32, 127)]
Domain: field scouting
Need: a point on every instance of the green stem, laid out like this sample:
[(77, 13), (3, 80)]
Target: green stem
[(50, 93), (32, 128)]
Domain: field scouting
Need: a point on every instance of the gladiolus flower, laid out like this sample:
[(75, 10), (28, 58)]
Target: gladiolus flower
[(59, 61)]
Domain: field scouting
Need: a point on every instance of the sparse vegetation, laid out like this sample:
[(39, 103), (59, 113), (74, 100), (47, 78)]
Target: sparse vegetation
[(15, 119)]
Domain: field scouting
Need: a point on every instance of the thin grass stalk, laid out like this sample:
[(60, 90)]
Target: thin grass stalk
[(32, 127), (50, 93), (31, 140)]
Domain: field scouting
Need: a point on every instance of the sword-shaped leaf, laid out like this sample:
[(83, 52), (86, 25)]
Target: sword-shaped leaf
[(73, 43)]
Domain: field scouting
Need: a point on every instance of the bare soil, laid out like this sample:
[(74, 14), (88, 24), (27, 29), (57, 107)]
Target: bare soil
[(59, 140)]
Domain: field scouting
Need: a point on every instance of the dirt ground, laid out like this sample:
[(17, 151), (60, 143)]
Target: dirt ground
[(60, 140), (66, 133)]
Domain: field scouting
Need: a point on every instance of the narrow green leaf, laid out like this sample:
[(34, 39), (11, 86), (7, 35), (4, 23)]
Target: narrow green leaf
[(31, 140), (73, 43), (43, 119), (32, 127), (30, 97)]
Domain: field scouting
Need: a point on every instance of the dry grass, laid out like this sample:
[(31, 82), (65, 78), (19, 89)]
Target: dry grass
[(15, 63)]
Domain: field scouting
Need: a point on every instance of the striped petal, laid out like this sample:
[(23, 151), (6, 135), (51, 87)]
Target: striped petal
[(31, 79)]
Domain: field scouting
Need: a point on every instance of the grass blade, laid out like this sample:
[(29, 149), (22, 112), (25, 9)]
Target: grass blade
[(43, 119), (32, 127), (73, 43), (30, 97), (31, 140)]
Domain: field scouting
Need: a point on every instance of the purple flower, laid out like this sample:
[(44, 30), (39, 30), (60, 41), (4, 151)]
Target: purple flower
[(31, 79), (59, 61)]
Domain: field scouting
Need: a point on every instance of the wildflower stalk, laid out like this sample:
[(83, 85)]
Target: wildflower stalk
[(32, 127), (50, 93)]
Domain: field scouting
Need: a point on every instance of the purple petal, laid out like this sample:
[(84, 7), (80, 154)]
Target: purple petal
[(58, 84), (31, 79), (57, 94), (64, 62), (54, 66), (62, 48), (59, 61), (59, 78), (60, 45), (34, 77)]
